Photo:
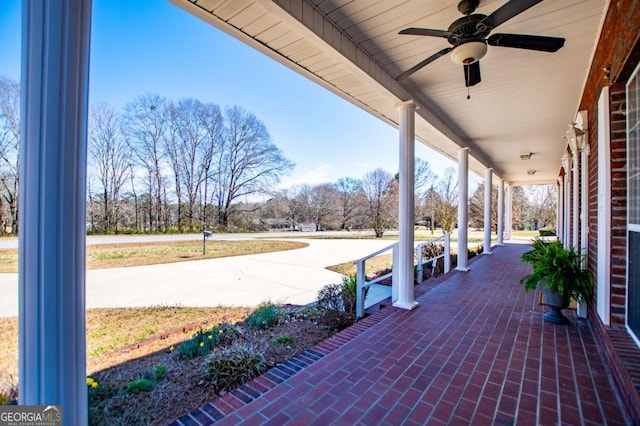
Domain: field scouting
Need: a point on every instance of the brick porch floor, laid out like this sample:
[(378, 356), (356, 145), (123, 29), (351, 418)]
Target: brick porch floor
[(476, 351)]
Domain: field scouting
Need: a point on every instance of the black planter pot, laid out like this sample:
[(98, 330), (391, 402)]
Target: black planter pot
[(557, 303)]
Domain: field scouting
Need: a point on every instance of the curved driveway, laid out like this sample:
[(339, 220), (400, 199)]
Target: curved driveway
[(293, 276)]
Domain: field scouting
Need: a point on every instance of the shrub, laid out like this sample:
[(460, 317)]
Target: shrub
[(200, 344), (547, 232), (9, 396), (227, 332), (282, 340), (140, 385), (235, 365), (159, 372), (263, 317), (330, 298)]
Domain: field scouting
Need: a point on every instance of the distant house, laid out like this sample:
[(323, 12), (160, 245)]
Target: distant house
[(276, 225)]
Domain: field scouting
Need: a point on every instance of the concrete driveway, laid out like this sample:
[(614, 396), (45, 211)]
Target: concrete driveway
[(293, 276)]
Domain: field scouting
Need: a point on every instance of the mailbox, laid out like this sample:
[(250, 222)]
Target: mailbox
[(205, 234)]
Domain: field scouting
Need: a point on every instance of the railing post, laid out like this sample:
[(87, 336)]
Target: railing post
[(360, 289), (419, 275), (394, 274), (447, 252)]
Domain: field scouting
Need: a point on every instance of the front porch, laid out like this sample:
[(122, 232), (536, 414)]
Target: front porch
[(475, 351)]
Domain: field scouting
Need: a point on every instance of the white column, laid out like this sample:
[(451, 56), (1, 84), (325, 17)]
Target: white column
[(405, 240), (584, 185), (509, 214), (575, 227), (487, 210), (55, 65), (500, 241), (559, 209), (566, 158), (463, 204)]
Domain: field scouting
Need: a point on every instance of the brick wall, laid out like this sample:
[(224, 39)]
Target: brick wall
[(617, 46), (618, 204)]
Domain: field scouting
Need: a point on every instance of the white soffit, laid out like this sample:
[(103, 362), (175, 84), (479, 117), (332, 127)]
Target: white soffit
[(524, 102)]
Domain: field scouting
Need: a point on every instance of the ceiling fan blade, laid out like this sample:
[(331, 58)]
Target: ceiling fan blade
[(530, 42), (424, 63), (505, 12), (425, 32), (472, 74)]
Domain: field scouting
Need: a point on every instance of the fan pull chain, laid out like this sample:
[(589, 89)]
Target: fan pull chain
[(468, 95)]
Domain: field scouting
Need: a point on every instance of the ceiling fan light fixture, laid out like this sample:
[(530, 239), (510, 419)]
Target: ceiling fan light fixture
[(468, 53)]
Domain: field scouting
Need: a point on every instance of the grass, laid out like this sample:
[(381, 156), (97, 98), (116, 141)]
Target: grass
[(114, 328), (372, 266), (136, 254)]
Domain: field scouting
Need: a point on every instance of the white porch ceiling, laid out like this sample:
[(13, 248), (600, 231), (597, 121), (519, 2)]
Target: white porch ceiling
[(524, 103)]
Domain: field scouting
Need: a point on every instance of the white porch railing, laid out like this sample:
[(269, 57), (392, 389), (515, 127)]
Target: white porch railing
[(362, 282), (446, 254)]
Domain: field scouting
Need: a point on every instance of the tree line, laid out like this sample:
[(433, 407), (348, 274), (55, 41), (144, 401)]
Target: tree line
[(160, 165)]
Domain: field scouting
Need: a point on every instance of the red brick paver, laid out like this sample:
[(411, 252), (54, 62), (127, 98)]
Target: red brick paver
[(476, 351)]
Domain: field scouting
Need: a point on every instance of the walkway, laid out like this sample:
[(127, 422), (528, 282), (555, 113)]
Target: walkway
[(292, 276), (476, 351)]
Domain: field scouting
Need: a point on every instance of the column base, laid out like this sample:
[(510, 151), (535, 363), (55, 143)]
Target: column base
[(409, 306), (461, 269), (487, 252)]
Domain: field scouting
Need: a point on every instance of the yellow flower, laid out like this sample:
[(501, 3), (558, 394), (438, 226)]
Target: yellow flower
[(94, 385), (210, 337), (201, 344), (171, 348), (220, 331)]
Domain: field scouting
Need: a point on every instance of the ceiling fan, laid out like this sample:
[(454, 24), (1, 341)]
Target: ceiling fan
[(469, 37)]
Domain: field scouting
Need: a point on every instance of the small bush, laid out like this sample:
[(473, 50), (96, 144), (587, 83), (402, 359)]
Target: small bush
[(330, 298), (282, 340), (349, 293), (159, 372), (263, 317), (9, 396), (547, 232), (235, 365), (140, 385), (227, 332), (200, 344)]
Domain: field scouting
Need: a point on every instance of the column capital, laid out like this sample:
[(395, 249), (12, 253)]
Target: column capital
[(406, 104), (565, 162), (463, 148)]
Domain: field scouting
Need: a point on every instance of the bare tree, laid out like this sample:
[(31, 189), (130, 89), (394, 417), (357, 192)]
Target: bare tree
[(192, 138), (542, 205), (110, 155), (380, 189), (248, 162), (9, 148), (476, 208), (145, 122), (351, 198), (321, 205), (446, 202), (519, 207), (424, 178)]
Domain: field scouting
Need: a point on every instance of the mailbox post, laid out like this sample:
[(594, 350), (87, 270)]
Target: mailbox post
[(205, 236)]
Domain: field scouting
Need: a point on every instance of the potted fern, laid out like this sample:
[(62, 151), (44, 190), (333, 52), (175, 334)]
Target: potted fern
[(558, 272)]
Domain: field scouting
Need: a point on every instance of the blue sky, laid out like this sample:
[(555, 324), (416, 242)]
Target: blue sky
[(143, 46)]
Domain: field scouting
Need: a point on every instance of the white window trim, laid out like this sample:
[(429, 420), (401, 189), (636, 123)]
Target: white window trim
[(635, 227)]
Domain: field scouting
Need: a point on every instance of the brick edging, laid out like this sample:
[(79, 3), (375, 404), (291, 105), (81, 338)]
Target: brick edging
[(231, 401), (622, 381)]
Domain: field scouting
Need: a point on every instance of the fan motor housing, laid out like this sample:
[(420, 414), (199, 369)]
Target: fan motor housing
[(466, 29)]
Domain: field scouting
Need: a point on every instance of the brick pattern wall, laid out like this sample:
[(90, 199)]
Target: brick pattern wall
[(618, 204), (620, 34)]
